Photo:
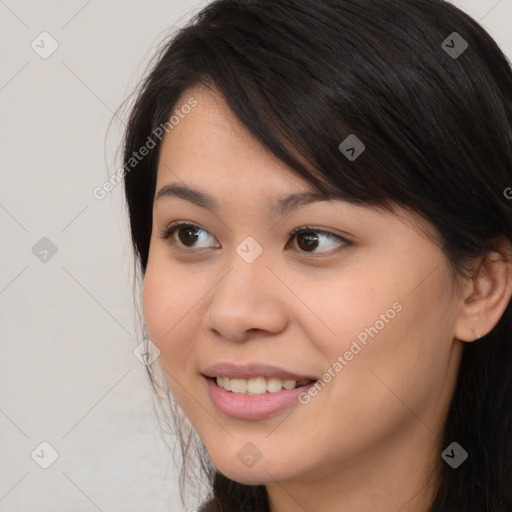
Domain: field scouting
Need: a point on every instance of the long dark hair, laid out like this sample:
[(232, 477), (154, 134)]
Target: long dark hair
[(436, 120)]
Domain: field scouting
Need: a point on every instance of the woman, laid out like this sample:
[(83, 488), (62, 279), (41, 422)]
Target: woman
[(320, 215)]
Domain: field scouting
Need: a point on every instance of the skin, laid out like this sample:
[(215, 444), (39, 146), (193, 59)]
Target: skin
[(369, 440)]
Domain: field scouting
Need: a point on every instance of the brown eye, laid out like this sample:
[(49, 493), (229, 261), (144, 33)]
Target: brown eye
[(188, 236), (308, 239)]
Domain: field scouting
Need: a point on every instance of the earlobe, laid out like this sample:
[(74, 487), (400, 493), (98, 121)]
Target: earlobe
[(487, 295)]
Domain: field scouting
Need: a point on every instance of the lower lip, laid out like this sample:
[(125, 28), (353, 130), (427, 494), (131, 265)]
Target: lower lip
[(256, 407)]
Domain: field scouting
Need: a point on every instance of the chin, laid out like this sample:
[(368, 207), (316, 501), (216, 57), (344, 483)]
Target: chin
[(260, 473)]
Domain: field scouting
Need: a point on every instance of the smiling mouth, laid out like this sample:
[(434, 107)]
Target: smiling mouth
[(258, 385)]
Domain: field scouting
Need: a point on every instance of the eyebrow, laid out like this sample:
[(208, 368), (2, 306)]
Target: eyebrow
[(281, 206)]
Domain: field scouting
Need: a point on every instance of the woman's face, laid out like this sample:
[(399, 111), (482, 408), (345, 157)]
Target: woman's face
[(359, 301)]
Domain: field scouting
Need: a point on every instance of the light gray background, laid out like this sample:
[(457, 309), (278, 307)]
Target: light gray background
[(68, 375)]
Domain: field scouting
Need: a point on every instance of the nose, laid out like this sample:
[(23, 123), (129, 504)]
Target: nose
[(247, 301)]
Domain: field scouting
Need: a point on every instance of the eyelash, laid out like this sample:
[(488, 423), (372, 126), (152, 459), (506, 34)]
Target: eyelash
[(167, 233)]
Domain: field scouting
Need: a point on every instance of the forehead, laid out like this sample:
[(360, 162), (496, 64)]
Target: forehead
[(210, 145)]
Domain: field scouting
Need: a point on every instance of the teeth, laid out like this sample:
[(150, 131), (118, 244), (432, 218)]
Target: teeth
[(227, 384), (274, 385), (238, 385), (256, 386), (288, 384), (224, 382)]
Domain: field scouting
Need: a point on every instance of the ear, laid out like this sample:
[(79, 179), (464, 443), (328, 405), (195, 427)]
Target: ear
[(487, 294)]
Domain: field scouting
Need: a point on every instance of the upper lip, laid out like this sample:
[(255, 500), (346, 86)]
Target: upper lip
[(253, 370)]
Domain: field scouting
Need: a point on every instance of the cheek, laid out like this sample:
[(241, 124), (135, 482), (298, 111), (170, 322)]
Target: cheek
[(383, 337), (353, 306), (169, 298), (403, 366)]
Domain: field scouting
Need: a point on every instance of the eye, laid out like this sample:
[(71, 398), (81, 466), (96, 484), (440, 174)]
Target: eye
[(308, 239), (185, 235), (188, 234)]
